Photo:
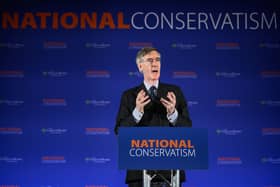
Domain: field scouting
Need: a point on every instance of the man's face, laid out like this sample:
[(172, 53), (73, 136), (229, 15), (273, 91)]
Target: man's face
[(150, 66)]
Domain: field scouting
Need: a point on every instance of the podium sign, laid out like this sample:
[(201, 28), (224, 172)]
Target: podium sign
[(163, 148)]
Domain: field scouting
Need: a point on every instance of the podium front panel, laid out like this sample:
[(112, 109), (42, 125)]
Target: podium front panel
[(163, 148)]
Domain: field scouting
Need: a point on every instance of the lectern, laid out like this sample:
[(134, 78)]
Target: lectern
[(162, 148)]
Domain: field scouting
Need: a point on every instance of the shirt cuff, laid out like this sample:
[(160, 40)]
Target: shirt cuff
[(137, 115), (172, 118)]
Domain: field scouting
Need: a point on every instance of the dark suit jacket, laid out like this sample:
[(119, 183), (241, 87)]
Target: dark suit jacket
[(154, 115)]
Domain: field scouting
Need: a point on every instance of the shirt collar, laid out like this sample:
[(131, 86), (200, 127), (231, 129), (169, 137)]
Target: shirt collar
[(148, 86)]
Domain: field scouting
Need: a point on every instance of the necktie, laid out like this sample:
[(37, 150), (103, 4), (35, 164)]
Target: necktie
[(153, 93)]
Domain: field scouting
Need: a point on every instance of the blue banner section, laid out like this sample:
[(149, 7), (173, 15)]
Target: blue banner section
[(163, 148)]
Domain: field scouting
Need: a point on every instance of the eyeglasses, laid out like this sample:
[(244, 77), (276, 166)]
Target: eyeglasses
[(151, 60)]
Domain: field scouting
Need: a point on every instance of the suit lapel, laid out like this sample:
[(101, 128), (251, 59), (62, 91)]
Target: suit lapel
[(161, 90), (139, 88)]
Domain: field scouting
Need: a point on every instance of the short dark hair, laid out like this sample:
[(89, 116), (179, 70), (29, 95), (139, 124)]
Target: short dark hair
[(144, 51)]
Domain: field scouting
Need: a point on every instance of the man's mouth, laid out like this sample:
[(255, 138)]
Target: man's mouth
[(155, 71)]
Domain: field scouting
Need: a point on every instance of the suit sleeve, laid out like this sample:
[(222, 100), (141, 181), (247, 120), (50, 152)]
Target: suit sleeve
[(125, 117), (183, 113)]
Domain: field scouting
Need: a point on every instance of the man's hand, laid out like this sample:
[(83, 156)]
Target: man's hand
[(142, 100), (170, 103)]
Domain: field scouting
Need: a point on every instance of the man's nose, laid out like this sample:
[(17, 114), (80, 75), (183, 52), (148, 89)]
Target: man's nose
[(154, 63)]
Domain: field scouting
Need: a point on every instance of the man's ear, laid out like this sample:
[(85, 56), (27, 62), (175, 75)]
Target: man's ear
[(139, 65)]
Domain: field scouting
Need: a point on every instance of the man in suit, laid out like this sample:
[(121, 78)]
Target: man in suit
[(152, 103)]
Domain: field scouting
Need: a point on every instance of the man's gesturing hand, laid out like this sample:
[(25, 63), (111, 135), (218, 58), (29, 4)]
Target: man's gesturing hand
[(142, 100), (170, 103)]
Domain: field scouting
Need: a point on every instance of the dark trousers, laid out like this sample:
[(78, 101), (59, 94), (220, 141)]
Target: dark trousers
[(153, 184)]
